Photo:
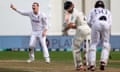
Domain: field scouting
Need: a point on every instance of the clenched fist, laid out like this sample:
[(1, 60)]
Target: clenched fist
[(12, 7)]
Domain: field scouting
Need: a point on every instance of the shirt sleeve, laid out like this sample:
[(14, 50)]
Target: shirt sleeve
[(110, 18), (89, 18), (77, 18), (23, 13), (45, 21), (82, 18)]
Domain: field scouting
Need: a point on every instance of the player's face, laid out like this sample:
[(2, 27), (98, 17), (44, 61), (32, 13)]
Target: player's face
[(35, 8), (70, 10)]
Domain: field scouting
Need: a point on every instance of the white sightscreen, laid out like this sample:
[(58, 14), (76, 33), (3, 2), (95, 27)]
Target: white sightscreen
[(115, 4)]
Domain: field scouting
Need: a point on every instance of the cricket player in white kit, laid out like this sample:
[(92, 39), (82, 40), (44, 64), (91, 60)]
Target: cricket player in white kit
[(77, 20), (100, 21), (39, 28)]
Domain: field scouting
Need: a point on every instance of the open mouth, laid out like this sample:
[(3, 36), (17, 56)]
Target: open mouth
[(33, 8)]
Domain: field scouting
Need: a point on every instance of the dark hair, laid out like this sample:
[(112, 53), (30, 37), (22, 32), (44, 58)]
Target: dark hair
[(67, 5), (99, 4), (36, 3)]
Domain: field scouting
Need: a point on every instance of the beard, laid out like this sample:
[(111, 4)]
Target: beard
[(71, 11)]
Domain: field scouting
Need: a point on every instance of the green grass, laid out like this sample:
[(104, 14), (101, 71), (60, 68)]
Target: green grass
[(56, 56), (65, 57)]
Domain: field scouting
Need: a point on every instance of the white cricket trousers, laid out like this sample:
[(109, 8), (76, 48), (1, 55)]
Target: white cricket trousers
[(82, 33), (33, 40), (100, 31)]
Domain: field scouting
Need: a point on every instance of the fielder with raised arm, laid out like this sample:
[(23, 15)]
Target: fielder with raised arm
[(39, 28), (100, 21), (77, 20)]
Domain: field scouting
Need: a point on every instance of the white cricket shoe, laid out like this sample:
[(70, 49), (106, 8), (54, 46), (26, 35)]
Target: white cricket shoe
[(30, 60), (47, 60)]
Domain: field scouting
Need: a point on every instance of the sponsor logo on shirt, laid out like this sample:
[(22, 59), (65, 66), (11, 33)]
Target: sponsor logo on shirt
[(36, 21)]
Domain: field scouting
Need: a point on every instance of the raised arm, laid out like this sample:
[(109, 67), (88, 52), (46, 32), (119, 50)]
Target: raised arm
[(22, 13)]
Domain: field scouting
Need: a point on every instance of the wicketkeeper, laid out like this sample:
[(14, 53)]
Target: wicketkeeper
[(100, 21)]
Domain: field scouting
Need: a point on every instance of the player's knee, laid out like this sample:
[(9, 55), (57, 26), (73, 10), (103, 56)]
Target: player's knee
[(76, 43), (31, 46), (76, 51), (106, 45), (30, 49), (92, 48)]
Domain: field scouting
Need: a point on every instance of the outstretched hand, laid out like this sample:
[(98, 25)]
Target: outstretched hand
[(12, 7)]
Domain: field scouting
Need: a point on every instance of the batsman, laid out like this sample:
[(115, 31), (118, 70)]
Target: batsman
[(77, 20)]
